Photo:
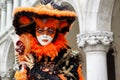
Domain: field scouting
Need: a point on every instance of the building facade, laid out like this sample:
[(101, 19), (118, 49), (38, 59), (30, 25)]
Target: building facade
[(95, 32)]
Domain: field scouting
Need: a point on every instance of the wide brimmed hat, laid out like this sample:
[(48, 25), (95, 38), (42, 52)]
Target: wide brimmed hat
[(24, 17)]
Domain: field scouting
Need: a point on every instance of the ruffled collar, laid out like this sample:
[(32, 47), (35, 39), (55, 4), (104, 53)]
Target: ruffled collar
[(51, 50)]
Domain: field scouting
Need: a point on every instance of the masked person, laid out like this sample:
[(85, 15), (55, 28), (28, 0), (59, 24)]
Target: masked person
[(42, 51)]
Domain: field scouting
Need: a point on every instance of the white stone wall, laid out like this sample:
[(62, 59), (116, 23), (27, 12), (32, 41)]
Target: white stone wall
[(7, 38), (116, 30), (1, 54), (7, 60)]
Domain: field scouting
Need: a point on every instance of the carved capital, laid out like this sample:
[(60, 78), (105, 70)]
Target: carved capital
[(94, 38)]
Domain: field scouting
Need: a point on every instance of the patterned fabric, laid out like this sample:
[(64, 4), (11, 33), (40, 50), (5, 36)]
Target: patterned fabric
[(65, 63)]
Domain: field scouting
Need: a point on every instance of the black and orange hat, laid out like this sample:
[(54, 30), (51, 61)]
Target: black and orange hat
[(27, 17)]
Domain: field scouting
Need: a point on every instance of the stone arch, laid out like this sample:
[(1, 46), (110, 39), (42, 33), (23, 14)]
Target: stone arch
[(104, 15), (98, 15), (115, 28), (76, 6), (104, 21), (74, 30), (8, 59), (91, 11)]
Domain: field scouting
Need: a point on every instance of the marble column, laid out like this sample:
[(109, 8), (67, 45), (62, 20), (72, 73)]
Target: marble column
[(23, 2), (7, 75), (95, 46), (3, 17), (15, 3), (9, 13)]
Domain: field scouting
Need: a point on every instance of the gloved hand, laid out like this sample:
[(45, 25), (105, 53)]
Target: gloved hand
[(29, 61)]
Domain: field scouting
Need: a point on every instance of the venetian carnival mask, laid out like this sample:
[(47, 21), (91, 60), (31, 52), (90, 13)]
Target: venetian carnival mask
[(45, 30), (45, 35)]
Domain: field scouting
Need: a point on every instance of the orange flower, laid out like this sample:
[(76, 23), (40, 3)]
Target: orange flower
[(21, 75)]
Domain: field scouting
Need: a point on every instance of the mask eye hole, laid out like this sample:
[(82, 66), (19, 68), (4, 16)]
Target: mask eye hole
[(51, 31), (48, 31), (39, 30)]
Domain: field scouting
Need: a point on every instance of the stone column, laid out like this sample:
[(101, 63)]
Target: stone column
[(23, 2), (3, 17), (7, 75), (9, 13), (95, 46), (15, 3)]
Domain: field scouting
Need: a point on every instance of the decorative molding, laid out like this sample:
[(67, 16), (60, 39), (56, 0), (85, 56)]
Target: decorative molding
[(94, 38)]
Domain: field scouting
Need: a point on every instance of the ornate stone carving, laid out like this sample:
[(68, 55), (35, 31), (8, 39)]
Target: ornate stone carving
[(94, 38)]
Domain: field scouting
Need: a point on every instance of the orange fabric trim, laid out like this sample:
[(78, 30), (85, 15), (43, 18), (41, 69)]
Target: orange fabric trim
[(50, 50), (27, 40), (79, 71), (46, 10), (51, 22), (62, 77), (60, 43), (21, 75)]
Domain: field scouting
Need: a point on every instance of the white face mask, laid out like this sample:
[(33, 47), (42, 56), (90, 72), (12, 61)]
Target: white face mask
[(44, 39)]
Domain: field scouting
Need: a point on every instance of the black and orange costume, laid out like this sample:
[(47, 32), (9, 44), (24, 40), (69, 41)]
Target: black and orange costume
[(55, 61)]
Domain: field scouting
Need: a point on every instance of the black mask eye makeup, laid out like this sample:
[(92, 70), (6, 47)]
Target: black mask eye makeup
[(48, 31)]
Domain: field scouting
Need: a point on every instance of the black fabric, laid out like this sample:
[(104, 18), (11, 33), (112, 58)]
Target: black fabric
[(36, 73), (31, 28)]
